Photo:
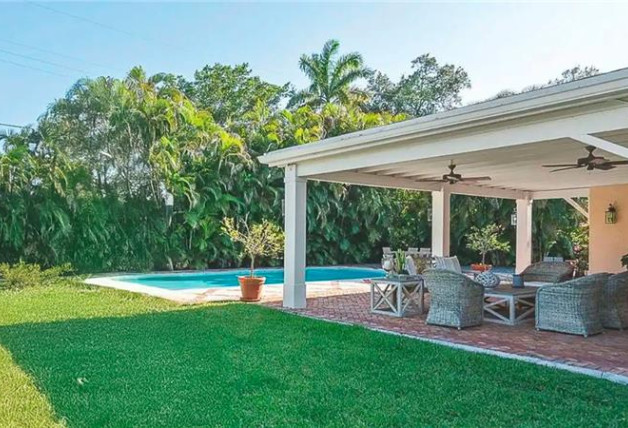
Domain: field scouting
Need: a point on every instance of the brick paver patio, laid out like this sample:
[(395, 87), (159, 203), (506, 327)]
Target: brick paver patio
[(607, 352)]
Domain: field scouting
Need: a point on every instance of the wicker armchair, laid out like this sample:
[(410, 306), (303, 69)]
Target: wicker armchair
[(614, 304), (455, 300), (572, 306), (548, 272)]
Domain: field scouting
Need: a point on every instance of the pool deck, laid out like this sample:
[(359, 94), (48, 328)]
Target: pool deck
[(272, 292)]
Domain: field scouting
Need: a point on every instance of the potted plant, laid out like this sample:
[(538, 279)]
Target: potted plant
[(258, 240), (484, 241)]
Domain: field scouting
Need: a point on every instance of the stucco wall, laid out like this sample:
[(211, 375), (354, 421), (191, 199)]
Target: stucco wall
[(607, 242)]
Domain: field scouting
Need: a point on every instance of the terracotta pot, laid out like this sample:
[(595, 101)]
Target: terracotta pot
[(251, 288), (480, 267)]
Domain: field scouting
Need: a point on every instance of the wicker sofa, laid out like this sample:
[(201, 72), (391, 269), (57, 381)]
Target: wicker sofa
[(614, 303), (455, 299), (571, 307), (548, 272)]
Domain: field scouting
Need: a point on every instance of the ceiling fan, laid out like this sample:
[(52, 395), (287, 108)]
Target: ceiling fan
[(452, 177), (591, 162)]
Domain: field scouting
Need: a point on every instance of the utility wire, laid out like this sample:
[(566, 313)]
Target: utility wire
[(8, 125), (17, 64), (99, 24), (36, 48), (43, 61)]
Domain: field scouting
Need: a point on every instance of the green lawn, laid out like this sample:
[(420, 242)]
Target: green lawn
[(86, 357)]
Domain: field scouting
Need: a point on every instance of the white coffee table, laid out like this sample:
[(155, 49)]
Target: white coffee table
[(508, 305)]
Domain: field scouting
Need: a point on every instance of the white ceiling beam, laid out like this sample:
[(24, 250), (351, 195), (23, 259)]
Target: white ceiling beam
[(371, 180), (578, 207), (600, 143), (444, 146), (560, 193)]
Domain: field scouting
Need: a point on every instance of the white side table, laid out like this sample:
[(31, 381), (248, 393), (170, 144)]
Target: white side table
[(396, 295)]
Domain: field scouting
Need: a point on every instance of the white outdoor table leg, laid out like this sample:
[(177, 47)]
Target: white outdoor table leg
[(511, 310)]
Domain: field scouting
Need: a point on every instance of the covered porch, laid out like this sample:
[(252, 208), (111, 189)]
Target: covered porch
[(508, 140)]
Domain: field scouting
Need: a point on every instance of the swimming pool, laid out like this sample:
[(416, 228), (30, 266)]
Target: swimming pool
[(218, 279)]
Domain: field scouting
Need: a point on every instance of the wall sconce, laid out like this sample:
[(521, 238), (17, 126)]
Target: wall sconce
[(611, 214), (513, 218)]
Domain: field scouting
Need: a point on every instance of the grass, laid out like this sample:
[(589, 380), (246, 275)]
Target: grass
[(90, 357)]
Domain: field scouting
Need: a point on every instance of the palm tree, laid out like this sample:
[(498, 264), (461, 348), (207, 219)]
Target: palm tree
[(331, 77)]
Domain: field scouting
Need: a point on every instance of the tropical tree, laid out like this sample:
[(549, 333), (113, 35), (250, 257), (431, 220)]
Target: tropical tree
[(332, 77), (230, 92), (429, 88)]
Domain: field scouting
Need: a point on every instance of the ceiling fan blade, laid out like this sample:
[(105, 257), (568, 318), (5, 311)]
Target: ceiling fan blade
[(476, 179), (565, 169), (431, 180), (616, 163), (561, 165)]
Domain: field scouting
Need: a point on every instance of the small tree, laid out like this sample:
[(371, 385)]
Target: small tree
[(486, 240), (259, 240)]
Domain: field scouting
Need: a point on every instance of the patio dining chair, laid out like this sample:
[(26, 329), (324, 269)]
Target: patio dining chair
[(572, 306), (614, 304), (456, 300)]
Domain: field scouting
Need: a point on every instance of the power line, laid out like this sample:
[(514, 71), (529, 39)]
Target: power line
[(8, 125), (33, 68), (43, 61), (99, 24), (36, 48)]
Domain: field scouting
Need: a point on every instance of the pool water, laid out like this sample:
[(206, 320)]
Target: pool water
[(182, 281)]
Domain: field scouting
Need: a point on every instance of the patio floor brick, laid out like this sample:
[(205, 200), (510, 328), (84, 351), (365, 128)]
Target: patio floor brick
[(607, 352)]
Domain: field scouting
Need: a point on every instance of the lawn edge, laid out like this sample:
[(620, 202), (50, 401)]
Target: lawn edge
[(599, 374)]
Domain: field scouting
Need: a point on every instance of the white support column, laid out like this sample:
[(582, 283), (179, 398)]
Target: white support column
[(524, 234), (295, 239), (441, 213)]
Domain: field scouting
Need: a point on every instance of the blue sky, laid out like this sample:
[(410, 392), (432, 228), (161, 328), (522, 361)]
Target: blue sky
[(502, 46)]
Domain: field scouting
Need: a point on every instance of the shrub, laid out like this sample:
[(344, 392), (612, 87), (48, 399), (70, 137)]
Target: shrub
[(21, 275)]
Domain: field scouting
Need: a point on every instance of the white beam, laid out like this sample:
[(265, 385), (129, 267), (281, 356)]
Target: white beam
[(373, 180), (578, 207), (386, 181), (411, 148), (441, 218), (524, 234), (485, 191), (605, 145), (560, 193), (295, 239)]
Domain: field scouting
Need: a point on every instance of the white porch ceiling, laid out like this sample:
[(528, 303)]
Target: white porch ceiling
[(516, 168)]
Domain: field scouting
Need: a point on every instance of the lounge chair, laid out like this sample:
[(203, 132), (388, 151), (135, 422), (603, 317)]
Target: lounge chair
[(614, 304), (572, 306), (456, 300), (548, 272)]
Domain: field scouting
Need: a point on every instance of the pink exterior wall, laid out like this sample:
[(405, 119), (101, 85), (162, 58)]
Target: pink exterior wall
[(607, 242)]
